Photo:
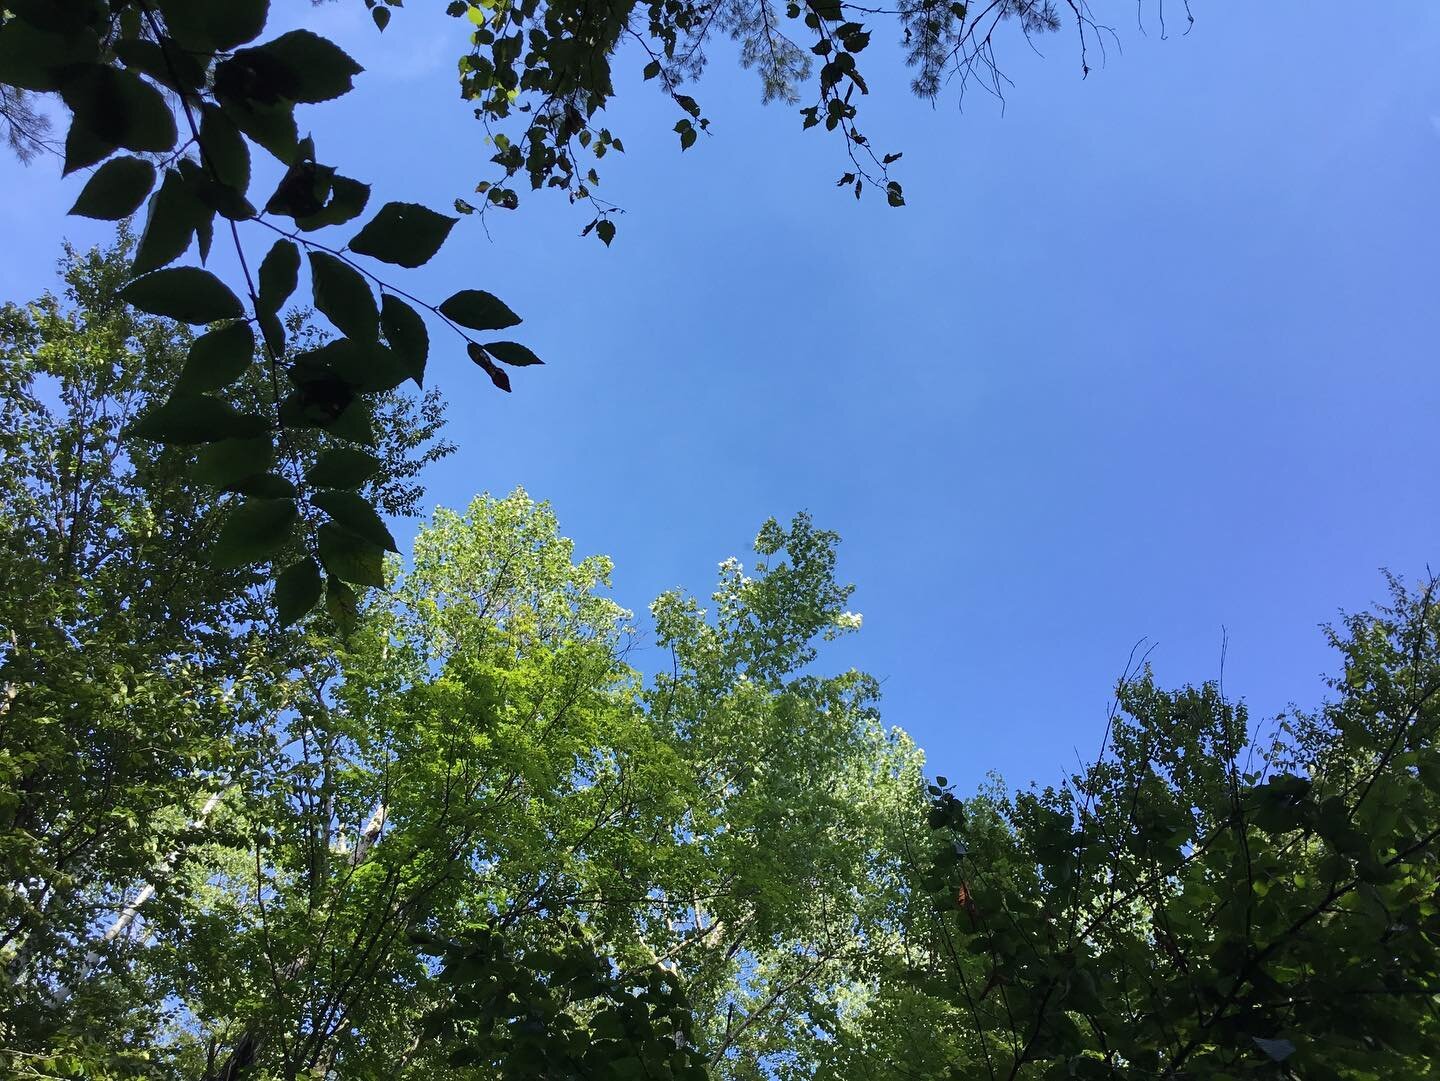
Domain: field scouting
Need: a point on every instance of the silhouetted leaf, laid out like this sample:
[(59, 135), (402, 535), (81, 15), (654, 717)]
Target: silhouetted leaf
[(343, 297), (478, 310), (169, 224), (494, 371), (196, 418), (230, 461), (297, 590), (214, 26), (119, 108), (254, 531), (116, 190), (279, 272), (343, 467), (405, 234), (188, 294), (218, 358), (357, 515), (266, 486), (341, 604), (349, 557), (347, 200), (405, 331), (313, 68), (512, 353), (225, 149)]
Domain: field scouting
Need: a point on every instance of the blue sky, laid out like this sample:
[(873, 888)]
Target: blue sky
[(1147, 355)]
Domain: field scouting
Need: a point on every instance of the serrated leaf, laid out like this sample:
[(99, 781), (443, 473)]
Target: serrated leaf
[(273, 333), (343, 297), (478, 310), (347, 200), (279, 273), (167, 63), (353, 424), (271, 127), (341, 603), (35, 59), (225, 150), (196, 418), (119, 108), (188, 294), (367, 367), (169, 225), (254, 531), (350, 557), (406, 234), (405, 331), (315, 68), (494, 371), (218, 358), (297, 590), (512, 353), (266, 486), (116, 190), (605, 230), (83, 147), (232, 460), (214, 26), (355, 513), (343, 467)]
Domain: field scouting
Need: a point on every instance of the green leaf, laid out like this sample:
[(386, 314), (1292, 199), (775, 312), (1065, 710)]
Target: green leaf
[(255, 531), (32, 58), (218, 358), (225, 149), (313, 68), (343, 467), (512, 353), (279, 273), (494, 371), (266, 486), (341, 603), (354, 424), (405, 331), (269, 126), (367, 367), (605, 230), (230, 461), (214, 26), (172, 220), (297, 590), (405, 234), (116, 190), (347, 200), (196, 418), (478, 310), (169, 65), (188, 294), (349, 557), (83, 147), (343, 297), (356, 514), (119, 108), (273, 332)]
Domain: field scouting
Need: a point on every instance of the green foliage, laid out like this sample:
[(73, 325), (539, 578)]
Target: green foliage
[(196, 85), (137, 674), (1209, 900), (541, 73)]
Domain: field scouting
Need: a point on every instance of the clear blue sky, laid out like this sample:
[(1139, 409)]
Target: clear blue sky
[(1148, 355)]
